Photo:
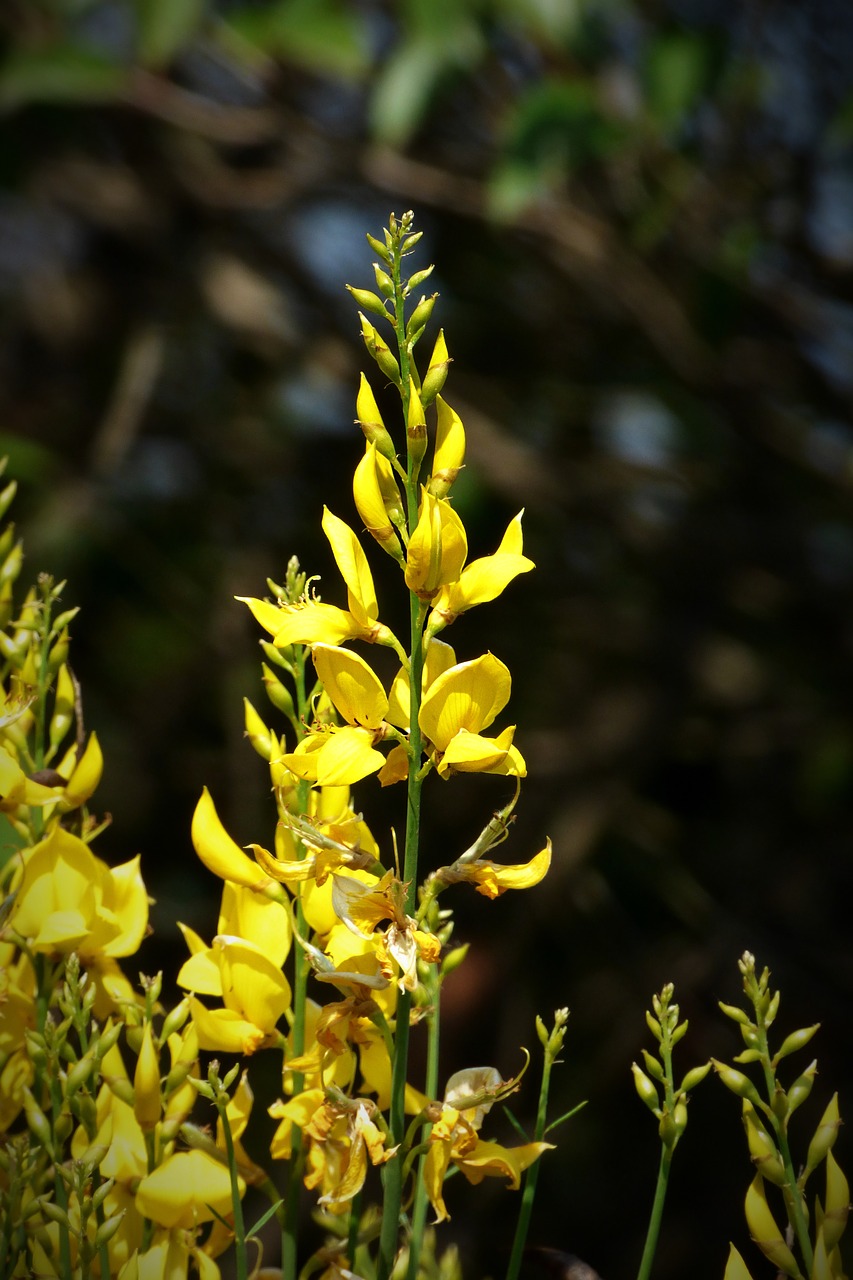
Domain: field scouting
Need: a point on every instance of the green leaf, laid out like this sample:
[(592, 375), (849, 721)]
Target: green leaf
[(165, 27), (64, 73), (320, 35), (264, 1219), (409, 78), (676, 76), (515, 1124), (567, 1115)]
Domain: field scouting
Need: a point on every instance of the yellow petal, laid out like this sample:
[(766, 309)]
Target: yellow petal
[(483, 579), (260, 920), (337, 758), (85, 775), (449, 448), (370, 500), (314, 621), (252, 985), (492, 879), (146, 1083), (490, 1159), (352, 685), (218, 851), (201, 974), (437, 548), (467, 696), (353, 566), (396, 766), (189, 1187), (224, 1031), (267, 614), (127, 897)]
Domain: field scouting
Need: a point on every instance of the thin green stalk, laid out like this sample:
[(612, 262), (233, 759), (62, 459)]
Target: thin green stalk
[(551, 1044), (656, 1215), (290, 1220), (794, 1198), (393, 1173), (241, 1261), (419, 1211)]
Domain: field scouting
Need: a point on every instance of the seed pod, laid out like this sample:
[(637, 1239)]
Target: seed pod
[(765, 1232)]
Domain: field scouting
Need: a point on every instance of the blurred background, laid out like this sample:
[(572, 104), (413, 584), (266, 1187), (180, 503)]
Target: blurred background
[(641, 213)]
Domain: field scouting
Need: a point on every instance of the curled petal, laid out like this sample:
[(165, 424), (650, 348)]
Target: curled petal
[(490, 1159), (467, 696), (219, 853), (353, 566)]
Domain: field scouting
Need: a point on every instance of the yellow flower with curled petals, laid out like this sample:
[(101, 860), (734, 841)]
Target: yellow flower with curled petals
[(219, 853), (69, 900), (493, 878), (437, 547), (449, 453), (336, 756), (439, 657), (377, 499), (482, 580), (188, 1188), (461, 702), (353, 687), (255, 995)]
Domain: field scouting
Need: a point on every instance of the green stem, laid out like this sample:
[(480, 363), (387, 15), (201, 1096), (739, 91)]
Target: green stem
[(290, 1220), (656, 1215), (419, 1210), (393, 1172), (531, 1177), (241, 1261), (797, 1214)]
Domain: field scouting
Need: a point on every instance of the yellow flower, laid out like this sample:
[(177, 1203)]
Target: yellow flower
[(254, 993), (377, 498), (482, 580), (492, 878), (312, 622), (437, 547), (353, 687), (458, 704), (69, 900), (335, 756), (188, 1188), (218, 851), (449, 449)]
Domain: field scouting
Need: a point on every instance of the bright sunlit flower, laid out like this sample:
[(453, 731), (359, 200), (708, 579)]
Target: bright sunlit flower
[(481, 580), (460, 703)]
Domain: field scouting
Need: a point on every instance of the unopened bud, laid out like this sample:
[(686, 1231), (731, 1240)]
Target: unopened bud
[(454, 959), (694, 1077), (764, 1231), (369, 301), (416, 431), (837, 1206), (824, 1138), (802, 1087), (258, 733), (378, 247), (146, 1083), (736, 1014), (737, 1082), (108, 1228), (796, 1040), (646, 1090), (762, 1148), (420, 315), (384, 283)]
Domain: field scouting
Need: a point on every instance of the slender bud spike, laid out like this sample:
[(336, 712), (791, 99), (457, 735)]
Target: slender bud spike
[(824, 1138), (764, 1231), (646, 1090), (370, 301)]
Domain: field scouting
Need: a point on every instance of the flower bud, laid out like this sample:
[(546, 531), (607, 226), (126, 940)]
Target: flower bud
[(824, 1137), (409, 242), (146, 1083), (737, 1082), (380, 351), (801, 1088), (37, 1122), (369, 419), (837, 1205), (416, 430), (54, 1213), (764, 1230), (449, 454), (736, 1014), (378, 247), (79, 1073), (420, 316), (762, 1149), (646, 1090), (796, 1040), (369, 301), (736, 1268), (384, 283), (108, 1228), (694, 1077), (258, 734), (653, 1066), (7, 497)]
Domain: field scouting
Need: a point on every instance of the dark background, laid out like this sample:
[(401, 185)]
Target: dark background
[(642, 218)]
